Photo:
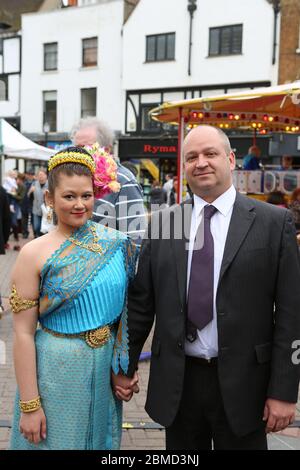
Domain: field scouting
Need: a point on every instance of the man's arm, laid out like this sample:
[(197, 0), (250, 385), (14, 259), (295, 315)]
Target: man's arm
[(141, 308), (284, 381), (285, 374)]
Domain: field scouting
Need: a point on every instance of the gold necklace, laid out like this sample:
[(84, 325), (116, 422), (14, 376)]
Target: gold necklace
[(93, 246)]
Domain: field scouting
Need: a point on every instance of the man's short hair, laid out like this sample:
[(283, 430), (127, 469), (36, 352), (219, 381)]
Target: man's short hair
[(105, 135)]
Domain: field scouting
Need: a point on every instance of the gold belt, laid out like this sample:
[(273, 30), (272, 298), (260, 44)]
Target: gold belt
[(93, 338)]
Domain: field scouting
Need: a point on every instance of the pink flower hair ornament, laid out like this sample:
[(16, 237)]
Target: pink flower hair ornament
[(105, 176)]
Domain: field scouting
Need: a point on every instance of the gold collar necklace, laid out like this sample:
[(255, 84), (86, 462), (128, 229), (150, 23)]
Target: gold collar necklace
[(92, 246)]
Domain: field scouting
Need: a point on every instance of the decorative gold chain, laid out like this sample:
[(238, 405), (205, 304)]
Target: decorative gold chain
[(94, 246), (31, 405), (18, 304)]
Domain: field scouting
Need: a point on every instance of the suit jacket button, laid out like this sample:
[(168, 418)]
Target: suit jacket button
[(180, 345)]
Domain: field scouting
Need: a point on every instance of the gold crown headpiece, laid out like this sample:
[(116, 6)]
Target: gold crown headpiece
[(72, 157)]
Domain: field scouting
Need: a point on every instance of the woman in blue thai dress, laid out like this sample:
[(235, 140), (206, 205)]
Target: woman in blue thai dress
[(72, 282)]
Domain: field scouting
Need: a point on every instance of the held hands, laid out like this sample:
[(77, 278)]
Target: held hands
[(278, 414), (33, 426), (124, 386)]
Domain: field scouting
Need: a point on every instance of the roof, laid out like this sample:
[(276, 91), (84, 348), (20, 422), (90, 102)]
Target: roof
[(129, 6), (272, 108), (11, 11)]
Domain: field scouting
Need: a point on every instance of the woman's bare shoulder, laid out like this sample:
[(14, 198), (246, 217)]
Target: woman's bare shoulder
[(35, 247)]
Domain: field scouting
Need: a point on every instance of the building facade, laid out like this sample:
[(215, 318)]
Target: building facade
[(190, 49), (10, 77), (71, 69)]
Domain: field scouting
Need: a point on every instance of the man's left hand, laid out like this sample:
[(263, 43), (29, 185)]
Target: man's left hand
[(278, 414)]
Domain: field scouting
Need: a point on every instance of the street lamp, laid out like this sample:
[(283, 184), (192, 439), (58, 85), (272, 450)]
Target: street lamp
[(192, 7), (46, 129)]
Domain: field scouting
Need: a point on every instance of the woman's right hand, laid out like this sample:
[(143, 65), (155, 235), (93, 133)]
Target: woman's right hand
[(33, 426)]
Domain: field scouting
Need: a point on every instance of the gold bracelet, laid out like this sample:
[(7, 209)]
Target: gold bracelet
[(31, 405)]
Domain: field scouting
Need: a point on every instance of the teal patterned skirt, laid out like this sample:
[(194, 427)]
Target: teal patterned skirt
[(75, 387)]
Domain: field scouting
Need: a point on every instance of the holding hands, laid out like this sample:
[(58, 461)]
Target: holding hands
[(124, 387)]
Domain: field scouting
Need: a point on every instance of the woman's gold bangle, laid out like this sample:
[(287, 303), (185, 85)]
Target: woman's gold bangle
[(31, 405)]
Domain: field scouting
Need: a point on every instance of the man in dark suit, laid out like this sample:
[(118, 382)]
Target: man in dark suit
[(223, 288)]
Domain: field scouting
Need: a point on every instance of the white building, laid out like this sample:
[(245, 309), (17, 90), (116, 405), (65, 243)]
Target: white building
[(10, 76), (71, 68), (174, 50)]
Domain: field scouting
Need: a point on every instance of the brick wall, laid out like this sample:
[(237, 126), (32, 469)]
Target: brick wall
[(289, 60)]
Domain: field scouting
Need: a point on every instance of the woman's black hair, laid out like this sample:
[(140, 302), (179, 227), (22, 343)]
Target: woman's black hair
[(68, 169)]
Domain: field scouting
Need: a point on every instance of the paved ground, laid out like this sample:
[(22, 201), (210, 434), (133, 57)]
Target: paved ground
[(139, 432)]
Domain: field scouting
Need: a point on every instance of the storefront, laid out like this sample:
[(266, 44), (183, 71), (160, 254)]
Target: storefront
[(154, 158)]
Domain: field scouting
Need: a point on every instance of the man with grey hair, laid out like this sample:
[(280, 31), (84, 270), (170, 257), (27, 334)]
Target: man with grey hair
[(124, 210)]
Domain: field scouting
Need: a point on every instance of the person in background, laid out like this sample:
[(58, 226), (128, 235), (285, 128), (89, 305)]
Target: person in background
[(252, 160), (4, 227), (173, 192), (26, 206), (124, 210), (47, 223), (277, 198), (168, 185), (17, 197), (38, 189), (286, 163), (131, 167), (295, 207), (158, 196)]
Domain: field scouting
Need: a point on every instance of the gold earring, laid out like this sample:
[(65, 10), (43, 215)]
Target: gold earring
[(50, 214)]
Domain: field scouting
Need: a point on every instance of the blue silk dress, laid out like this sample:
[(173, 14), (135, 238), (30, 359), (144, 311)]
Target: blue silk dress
[(81, 290)]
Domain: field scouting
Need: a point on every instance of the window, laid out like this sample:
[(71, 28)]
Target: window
[(50, 56), (225, 40), (160, 47), (89, 52), (88, 102), (147, 124), (3, 88), (49, 109)]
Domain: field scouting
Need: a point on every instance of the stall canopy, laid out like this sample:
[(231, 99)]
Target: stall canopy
[(14, 144), (267, 109), (264, 110)]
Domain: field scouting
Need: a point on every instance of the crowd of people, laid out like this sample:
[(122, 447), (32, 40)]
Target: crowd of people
[(87, 293)]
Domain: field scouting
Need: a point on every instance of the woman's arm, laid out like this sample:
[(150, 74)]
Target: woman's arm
[(25, 281)]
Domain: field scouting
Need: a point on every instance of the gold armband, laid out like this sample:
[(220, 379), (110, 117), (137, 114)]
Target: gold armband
[(31, 405), (18, 304)]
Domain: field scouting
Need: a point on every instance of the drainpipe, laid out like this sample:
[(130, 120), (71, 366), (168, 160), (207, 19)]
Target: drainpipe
[(192, 7), (276, 8)]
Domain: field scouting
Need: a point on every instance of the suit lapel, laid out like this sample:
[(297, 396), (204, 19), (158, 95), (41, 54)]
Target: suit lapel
[(242, 218), (180, 239)]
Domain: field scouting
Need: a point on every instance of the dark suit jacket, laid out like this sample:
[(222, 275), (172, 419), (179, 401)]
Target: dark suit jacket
[(4, 220), (258, 313)]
